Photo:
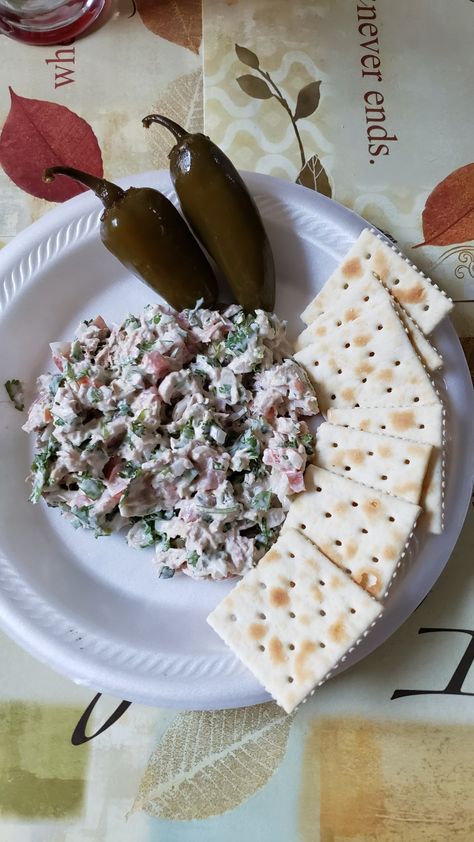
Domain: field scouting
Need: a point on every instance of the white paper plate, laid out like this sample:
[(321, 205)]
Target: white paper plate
[(94, 609)]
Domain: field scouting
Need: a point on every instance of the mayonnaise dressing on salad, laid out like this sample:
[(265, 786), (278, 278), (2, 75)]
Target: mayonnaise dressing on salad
[(184, 428)]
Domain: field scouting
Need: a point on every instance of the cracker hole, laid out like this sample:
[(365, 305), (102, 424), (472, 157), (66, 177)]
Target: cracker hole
[(232, 617), (338, 324), (375, 559), (347, 345), (368, 256), (339, 371), (318, 488), (421, 426), (291, 646), (327, 514), (292, 555), (365, 531), (353, 611), (322, 645), (262, 648), (389, 389), (396, 282), (334, 444), (370, 453), (364, 380), (322, 613), (407, 461), (383, 427), (416, 400), (426, 307), (348, 571), (354, 504), (262, 616), (379, 327), (290, 679), (346, 286), (292, 584), (316, 362), (322, 583), (366, 298), (397, 362), (384, 476), (333, 397), (347, 468), (371, 353), (292, 615), (338, 543), (391, 519), (302, 526), (263, 586)]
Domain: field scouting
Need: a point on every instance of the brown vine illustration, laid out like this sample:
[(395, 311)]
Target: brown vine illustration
[(312, 173)]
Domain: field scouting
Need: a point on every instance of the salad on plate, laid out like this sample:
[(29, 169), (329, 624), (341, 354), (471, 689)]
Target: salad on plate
[(183, 428)]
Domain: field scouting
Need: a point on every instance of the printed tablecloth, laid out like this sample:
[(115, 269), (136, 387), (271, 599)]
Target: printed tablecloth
[(366, 101)]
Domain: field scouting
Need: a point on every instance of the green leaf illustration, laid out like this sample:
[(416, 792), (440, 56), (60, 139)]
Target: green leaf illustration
[(247, 57), (308, 100), (209, 762), (254, 87), (314, 176)]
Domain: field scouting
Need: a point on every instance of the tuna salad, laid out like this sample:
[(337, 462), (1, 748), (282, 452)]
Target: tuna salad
[(184, 429)]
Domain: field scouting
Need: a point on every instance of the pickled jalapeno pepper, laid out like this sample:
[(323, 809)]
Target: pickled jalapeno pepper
[(220, 210), (143, 229)]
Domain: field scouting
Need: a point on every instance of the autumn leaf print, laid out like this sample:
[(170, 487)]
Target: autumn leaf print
[(182, 101), (448, 216), (178, 21), (209, 762), (247, 57), (314, 176), (254, 87), (308, 100), (39, 134)]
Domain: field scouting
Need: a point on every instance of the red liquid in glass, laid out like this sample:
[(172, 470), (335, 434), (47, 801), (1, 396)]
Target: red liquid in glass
[(67, 21)]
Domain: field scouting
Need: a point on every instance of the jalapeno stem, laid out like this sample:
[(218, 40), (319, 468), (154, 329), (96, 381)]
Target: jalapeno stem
[(106, 191), (177, 131)]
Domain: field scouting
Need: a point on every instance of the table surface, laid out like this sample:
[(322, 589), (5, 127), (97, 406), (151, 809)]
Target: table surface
[(369, 103)]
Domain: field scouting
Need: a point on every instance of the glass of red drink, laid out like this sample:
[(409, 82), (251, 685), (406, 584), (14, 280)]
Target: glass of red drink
[(44, 22)]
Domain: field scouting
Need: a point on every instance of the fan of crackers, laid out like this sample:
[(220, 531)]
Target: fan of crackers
[(377, 472)]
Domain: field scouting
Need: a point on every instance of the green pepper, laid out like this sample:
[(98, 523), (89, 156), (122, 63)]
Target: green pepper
[(143, 229), (222, 214)]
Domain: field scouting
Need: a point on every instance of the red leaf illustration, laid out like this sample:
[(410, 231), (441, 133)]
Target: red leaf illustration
[(448, 216), (178, 21), (39, 134)]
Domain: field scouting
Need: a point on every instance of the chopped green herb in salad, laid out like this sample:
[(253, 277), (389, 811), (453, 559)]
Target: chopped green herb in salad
[(185, 429), (14, 389)]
